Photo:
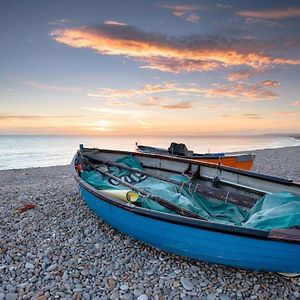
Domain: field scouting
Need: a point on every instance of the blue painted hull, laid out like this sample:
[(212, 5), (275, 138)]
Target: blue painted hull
[(211, 246)]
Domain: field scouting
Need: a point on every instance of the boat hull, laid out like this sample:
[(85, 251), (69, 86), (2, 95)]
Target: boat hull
[(230, 161), (197, 243)]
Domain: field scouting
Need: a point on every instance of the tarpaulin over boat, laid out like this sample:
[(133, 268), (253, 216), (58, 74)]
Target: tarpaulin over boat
[(280, 210)]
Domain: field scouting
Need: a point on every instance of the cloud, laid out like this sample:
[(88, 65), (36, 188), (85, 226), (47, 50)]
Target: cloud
[(175, 65), (278, 13), (252, 116), (295, 103), (170, 53), (270, 83), (242, 74), (59, 22), (245, 91), (247, 116), (167, 103), (264, 22), (184, 11), (144, 90), (55, 88), (115, 23), (111, 111), (224, 6), (286, 113), (5, 117)]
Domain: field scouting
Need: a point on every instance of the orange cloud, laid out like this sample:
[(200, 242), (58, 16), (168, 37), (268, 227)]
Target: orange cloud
[(295, 103), (175, 65), (171, 54), (242, 74), (167, 103), (282, 13), (245, 91)]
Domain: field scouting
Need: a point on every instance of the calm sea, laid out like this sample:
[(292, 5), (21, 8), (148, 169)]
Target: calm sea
[(40, 151)]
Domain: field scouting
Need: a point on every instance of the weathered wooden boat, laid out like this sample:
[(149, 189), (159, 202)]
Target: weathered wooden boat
[(240, 161), (183, 232)]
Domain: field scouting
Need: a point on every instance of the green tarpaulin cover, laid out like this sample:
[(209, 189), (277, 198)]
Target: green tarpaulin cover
[(280, 210)]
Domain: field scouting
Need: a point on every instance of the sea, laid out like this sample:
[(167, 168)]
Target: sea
[(17, 152)]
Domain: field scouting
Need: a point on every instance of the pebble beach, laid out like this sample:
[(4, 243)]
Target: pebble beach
[(60, 250)]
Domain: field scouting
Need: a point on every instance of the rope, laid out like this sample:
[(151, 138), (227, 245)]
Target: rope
[(182, 186), (227, 194)]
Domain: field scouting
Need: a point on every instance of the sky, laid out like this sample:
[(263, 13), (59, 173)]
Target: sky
[(149, 67)]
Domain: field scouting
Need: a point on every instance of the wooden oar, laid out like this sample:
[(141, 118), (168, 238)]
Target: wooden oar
[(161, 201), (212, 192)]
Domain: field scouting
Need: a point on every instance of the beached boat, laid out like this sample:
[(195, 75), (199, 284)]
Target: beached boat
[(240, 161), (118, 187)]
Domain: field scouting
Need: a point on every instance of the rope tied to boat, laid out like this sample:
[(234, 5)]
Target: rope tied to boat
[(182, 186), (143, 198), (196, 188), (226, 198)]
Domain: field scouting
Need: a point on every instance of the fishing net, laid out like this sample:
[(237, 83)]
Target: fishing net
[(280, 210)]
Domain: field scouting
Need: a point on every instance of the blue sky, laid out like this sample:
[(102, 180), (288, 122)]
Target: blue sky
[(149, 67)]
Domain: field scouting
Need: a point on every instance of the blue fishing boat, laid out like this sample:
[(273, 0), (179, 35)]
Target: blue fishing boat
[(226, 222)]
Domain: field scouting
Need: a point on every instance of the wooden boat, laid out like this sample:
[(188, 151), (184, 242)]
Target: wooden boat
[(183, 233), (240, 161)]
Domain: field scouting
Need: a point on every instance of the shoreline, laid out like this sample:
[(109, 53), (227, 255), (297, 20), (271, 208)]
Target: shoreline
[(61, 249)]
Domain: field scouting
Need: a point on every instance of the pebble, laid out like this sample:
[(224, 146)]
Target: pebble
[(11, 296), (124, 287), (211, 297), (256, 288), (142, 297), (186, 283), (52, 267), (224, 297), (137, 292), (29, 265), (85, 272), (296, 294), (67, 252)]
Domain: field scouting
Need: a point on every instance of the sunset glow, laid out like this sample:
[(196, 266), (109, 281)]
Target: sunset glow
[(186, 68)]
